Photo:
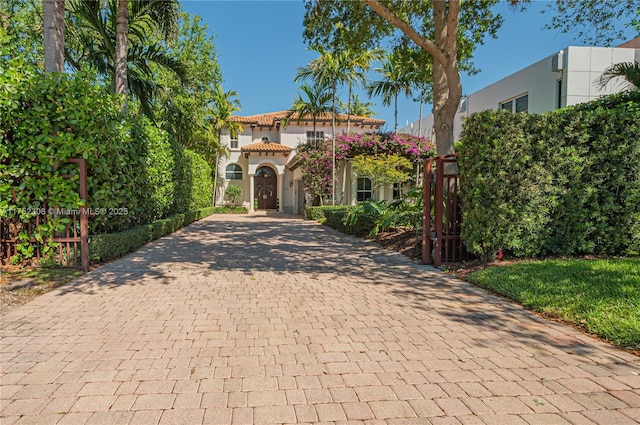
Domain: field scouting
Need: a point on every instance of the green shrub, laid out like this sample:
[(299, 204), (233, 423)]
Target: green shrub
[(230, 210), (319, 212), (132, 166), (194, 187), (232, 193), (565, 182), (109, 246), (159, 165)]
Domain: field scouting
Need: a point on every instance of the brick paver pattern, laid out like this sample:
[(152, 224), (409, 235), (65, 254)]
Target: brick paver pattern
[(272, 319)]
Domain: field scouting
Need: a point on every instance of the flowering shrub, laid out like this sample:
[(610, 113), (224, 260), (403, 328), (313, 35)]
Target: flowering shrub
[(316, 158)]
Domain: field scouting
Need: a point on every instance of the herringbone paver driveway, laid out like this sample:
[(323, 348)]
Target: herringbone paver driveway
[(272, 319)]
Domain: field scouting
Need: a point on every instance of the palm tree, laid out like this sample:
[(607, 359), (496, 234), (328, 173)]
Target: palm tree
[(97, 31), (226, 103), (628, 71), (356, 64), (358, 108), (328, 69), (122, 32), (53, 11), (394, 79), (318, 103)]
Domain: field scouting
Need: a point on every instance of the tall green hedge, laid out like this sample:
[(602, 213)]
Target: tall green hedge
[(135, 173), (560, 183)]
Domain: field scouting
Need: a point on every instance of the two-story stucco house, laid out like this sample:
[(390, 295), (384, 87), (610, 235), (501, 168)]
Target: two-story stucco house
[(565, 78), (261, 159)]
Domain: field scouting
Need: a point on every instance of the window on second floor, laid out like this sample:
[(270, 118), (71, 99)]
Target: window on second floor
[(234, 142), (234, 172), (319, 136)]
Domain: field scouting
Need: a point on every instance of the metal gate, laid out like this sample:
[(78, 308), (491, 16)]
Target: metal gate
[(442, 215), (72, 243)]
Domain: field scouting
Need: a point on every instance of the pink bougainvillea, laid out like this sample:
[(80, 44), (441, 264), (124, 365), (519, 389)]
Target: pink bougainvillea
[(316, 159)]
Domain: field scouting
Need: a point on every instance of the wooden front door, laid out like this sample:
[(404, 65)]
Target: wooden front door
[(266, 188)]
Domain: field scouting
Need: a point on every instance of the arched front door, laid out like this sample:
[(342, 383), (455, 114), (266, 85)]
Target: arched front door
[(266, 188)]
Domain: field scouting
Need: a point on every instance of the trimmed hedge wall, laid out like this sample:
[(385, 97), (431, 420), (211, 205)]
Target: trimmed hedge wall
[(109, 246), (319, 212), (561, 183), (133, 166), (335, 217)]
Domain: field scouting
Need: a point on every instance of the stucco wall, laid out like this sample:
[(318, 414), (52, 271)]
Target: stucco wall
[(581, 68)]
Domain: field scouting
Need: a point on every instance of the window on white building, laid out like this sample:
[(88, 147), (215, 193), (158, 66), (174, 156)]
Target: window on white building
[(507, 105), (234, 142), (319, 137), (522, 103), (397, 190), (519, 104), (234, 172), (364, 190)]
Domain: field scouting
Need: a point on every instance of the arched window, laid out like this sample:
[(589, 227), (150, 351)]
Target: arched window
[(234, 172), (265, 172)]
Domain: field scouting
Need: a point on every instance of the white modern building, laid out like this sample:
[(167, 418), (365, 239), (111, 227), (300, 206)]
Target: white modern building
[(262, 159), (567, 77)]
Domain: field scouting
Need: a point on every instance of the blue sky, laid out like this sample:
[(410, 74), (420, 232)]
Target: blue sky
[(260, 47)]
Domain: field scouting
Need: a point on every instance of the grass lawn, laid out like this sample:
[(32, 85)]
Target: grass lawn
[(601, 296)]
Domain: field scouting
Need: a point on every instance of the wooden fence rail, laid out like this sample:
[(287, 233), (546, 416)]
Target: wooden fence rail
[(71, 244)]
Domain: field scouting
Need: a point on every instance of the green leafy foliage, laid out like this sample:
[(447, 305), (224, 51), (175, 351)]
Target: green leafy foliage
[(338, 218), (193, 181), (318, 212), (232, 193), (135, 173), (342, 222), (564, 182), (381, 216), (316, 158), (107, 247), (382, 169)]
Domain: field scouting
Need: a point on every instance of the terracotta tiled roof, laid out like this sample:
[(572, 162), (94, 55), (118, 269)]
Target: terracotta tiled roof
[(272, 119), (266, 147)]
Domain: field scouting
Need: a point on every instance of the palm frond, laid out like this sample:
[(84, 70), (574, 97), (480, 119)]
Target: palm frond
[(626, 73)]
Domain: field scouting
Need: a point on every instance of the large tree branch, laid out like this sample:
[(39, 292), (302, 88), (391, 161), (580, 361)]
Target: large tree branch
[(453, 19), (447, 59), (394, 20)]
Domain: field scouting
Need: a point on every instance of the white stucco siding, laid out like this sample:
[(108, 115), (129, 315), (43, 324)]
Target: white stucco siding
[(581, 68), (585, 65), (537, 81), (259, 133), (294, 135)]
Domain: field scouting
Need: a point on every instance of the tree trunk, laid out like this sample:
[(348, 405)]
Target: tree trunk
[(122, 30), (215, 176), (333, 145), (447, 89), (349, 110), (395, 113), (420, 119), (344, 181), (53, 11)]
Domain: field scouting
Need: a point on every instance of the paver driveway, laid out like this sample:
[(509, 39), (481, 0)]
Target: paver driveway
[(273, 319)]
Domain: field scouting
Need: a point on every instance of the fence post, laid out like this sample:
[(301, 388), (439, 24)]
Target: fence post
[(426, 212), (84, 217)]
